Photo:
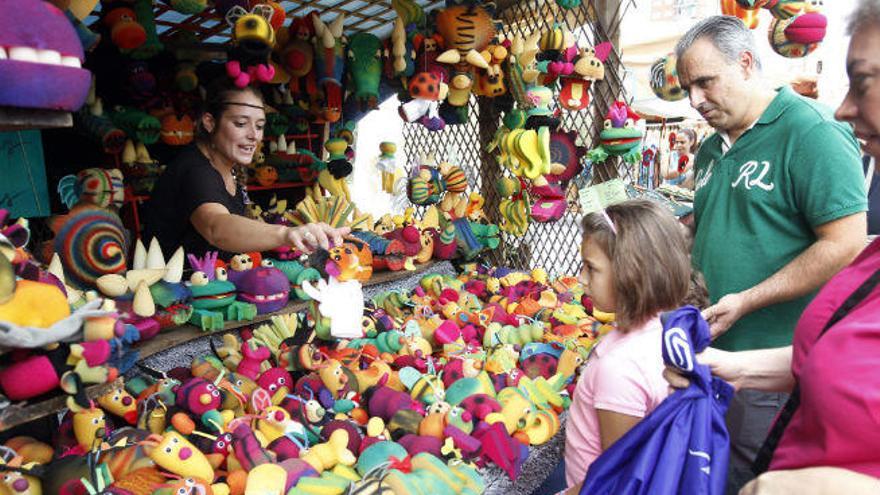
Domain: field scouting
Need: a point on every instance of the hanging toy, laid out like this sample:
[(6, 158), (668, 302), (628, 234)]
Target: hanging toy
[(97, 186), (365, 69), (514, 207), (620, 137), (252, 39), (748, 15), (466, 30), (329, 68), (125, 32), (338, 167), (797, 28), (664, 79), (387, 165), (589, 66)]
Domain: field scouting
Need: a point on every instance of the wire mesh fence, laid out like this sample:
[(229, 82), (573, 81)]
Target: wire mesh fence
[(554, 246)]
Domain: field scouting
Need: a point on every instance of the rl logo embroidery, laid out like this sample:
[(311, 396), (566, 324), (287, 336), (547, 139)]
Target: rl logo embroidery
[(747, 170)]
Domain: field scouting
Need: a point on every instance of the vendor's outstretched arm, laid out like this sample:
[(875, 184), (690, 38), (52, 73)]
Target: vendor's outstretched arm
[(238, 234), (838, 243), (822, 480)]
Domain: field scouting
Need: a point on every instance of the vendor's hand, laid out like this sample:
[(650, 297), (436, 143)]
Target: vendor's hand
[(723, 314), (307, 238), (723, 364)]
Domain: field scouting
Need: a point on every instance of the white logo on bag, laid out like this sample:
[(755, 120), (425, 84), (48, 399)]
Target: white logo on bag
[(678, 348), (745, 176), (702, 455)]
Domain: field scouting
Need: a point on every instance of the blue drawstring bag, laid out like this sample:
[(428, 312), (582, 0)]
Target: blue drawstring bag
[(682, 447)]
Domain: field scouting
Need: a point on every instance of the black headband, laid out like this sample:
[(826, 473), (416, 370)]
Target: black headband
[(258, 107)]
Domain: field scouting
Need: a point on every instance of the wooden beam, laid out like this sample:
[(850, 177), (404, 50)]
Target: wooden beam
[(17, 119)]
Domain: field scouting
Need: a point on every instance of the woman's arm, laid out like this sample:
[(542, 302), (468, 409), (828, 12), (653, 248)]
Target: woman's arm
[(821, 480), (237, 234), (767, 370)]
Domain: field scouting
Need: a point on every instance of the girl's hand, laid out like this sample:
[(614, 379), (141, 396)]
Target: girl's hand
[(725, 365), (307, 238)]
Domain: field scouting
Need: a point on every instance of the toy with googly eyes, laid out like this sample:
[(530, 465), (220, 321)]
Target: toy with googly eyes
[(620, 137), (214, 295), (258, 282), (189, 486), (276, 381)]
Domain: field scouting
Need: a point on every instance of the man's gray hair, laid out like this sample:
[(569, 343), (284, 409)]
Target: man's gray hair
[(727, 33), (866, 12)]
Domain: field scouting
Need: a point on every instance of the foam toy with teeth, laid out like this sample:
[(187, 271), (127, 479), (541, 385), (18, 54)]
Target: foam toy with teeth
[(264, 286), (214, 295), (620, 137), (589, 66), (41, 62), (252, 39)]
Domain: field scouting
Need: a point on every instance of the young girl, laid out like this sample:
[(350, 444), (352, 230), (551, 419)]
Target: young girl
[(635, 265)]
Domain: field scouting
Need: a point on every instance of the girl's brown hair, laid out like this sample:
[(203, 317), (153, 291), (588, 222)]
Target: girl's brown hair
[(649, 258), (692, 136)]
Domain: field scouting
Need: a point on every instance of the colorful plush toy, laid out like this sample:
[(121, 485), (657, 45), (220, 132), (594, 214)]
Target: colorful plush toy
[(620, 137), (797, 27), (364, 68), (664, 79), (329, 67), (466, 30), (589, 66), (212, 291), (253, 39), (749, 15), (43, 68), (266, 287)]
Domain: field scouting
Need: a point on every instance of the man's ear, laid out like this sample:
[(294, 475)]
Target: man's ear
[(208, 122), (748, 64)]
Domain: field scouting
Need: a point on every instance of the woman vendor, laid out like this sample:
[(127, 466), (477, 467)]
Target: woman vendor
[(199, 201)]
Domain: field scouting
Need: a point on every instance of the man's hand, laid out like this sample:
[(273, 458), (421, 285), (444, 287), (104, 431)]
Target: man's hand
[(311, 236), (723, 314)]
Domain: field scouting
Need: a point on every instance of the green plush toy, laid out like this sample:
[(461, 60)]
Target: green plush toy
[(620, 137), (365, 68)]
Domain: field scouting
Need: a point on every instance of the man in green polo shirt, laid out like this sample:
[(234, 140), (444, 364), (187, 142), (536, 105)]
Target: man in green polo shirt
[(779, 208)]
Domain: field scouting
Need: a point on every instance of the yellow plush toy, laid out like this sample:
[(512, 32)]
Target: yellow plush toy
[(176, 454), (330, 453)]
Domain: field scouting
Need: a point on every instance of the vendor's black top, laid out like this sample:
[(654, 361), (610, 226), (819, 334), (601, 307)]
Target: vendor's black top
[(188, 182)]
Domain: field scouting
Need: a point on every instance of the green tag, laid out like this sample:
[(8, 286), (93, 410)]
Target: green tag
[(597, 197)]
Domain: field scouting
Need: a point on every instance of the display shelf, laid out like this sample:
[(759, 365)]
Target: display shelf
[(17, 119), (20, 413), (186, 333)]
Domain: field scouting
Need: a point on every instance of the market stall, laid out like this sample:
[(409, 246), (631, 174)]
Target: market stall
[(435, 350)]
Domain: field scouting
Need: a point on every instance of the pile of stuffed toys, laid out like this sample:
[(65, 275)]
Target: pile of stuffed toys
[(426, 386)]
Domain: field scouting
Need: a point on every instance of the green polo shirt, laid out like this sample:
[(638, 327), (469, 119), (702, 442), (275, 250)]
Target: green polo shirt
[(757, 204)]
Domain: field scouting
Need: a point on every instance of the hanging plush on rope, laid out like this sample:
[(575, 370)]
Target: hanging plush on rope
[(466, 30), (664, 79), (588, 66), (365, 69), (797, 27), (329, 68), (252, 39), (620, 137)]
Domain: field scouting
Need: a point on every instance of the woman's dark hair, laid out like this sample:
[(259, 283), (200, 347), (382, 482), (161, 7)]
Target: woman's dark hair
[(218, 94)]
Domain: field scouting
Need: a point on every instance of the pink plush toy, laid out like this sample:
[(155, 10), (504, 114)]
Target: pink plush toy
[(249, 365)]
